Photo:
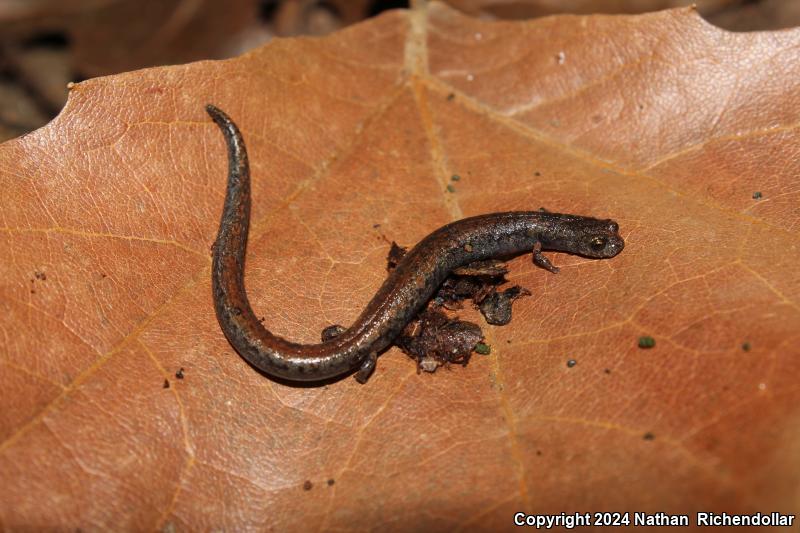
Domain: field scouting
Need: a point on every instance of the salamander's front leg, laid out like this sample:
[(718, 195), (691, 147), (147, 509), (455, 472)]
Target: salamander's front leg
[(367, 367), (541, 261), (331, 332)]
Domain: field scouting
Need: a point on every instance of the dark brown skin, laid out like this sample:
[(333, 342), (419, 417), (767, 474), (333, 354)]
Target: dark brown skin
[(404, 293)]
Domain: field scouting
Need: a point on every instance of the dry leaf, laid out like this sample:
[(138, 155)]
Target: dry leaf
[(108, 37), (662, 122), (538, 8)]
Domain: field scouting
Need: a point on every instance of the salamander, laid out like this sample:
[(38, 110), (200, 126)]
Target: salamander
[(404, 293)]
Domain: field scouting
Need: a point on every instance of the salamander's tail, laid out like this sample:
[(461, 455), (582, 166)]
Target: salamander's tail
[(237, 198), (265, 351), (227, 269)]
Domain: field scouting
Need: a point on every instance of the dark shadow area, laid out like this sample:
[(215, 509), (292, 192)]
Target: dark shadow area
[(378, 6)]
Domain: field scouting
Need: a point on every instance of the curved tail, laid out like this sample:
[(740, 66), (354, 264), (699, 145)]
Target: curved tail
[(227, 270)]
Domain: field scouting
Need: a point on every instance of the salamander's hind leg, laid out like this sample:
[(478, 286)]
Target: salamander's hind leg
[(367, 367), (541, 261), (331, 332)]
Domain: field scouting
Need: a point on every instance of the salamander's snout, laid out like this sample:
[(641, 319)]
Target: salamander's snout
[(614, 246)]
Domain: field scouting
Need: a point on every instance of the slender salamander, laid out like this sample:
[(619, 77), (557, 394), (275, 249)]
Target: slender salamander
[(406, 290)]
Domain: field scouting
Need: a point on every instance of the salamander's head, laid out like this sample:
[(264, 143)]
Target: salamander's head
[(589, 237), (598, 238)]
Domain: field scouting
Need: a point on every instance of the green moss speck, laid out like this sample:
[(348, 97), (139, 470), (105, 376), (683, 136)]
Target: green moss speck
[(646, 342), (483, 349)]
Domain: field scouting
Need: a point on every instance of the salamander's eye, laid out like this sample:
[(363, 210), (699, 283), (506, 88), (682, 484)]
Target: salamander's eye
[(598, 243)]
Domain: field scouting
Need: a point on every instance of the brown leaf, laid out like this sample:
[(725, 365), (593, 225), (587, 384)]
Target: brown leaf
[(662, 122), (539, 8), (108, 37)]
